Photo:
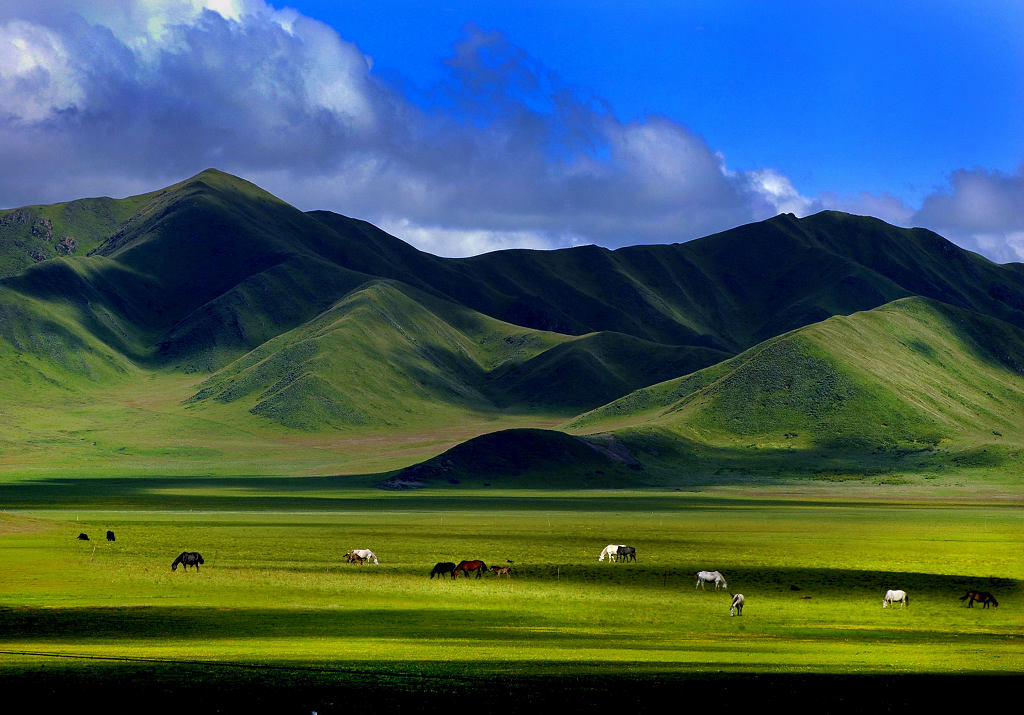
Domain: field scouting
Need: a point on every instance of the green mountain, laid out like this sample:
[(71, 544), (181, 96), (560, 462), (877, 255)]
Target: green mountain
[(912, 372), (216, 314)]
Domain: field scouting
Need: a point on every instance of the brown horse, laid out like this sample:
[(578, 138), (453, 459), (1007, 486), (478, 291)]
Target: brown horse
[(985, 598), (353, 558), (500, 571), (465, 567)]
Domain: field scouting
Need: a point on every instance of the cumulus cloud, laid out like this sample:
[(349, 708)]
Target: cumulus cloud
[(116, 97), (120, 96), (981, 210)]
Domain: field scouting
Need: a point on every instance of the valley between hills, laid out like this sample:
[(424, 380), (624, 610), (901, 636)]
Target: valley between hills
[(209, 329)]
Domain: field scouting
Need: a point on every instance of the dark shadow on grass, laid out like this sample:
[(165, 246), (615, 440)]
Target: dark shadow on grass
[(337, 494), (124, 624), (68, 685)]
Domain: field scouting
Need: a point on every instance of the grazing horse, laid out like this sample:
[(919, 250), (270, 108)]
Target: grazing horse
[(465, 567), (985, 598), (611, 551), (83, 537), (715, 577), (354, 558), (441, 568), (500, 571), (627, 553), (736, 609), (892, 597), (364, 554), (186, 559), (110, 536)]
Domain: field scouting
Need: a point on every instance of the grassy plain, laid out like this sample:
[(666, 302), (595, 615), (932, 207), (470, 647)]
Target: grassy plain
[(276, 614)]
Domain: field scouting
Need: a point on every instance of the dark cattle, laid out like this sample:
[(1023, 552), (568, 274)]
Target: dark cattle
[(110, 536), (442, 568), (985, 598), (83, 537), (465, 567), (187, 558), (627, 553)]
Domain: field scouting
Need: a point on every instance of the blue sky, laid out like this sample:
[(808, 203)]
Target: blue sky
[(840, 96), (470, 126)]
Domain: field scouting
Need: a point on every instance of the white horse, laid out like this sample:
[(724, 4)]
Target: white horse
[(365, 555), (704, 577), (736, 609), (611, 551), (892, 597)]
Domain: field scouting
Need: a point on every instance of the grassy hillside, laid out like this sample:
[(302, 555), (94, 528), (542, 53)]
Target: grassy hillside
[(913, 372), (214, 312), (378, 358)]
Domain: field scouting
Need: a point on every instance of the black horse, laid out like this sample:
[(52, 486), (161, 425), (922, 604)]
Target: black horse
[(83, 537), (627, 553), (110, 536), (188, 558), (442, 568), (985, 598)]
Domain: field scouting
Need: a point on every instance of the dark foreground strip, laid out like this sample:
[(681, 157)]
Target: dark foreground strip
[(164, 686)]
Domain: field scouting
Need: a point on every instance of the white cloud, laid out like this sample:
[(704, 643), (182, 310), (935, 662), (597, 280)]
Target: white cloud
[(981, 210), (36, 77), (117, 96), (456, 243)]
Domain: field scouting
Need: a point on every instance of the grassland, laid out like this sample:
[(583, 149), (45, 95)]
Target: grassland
[(276, 609)]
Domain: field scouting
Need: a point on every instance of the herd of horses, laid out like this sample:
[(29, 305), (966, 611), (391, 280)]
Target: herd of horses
[(611, 552)]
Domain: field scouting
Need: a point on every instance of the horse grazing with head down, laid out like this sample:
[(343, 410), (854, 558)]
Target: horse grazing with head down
[(186, 559), (985, 598), (441, 568), (363, 555), (736, 609), (892, 597), (714, 577), (465, 567), (626, 553), (611, 552)]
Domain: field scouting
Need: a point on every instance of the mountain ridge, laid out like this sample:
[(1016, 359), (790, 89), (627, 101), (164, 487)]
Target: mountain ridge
[(313, 322)]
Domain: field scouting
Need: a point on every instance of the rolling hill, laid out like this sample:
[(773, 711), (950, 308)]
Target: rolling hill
[(214, 305)]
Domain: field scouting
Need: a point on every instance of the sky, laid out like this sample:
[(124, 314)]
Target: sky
[(464, 127)]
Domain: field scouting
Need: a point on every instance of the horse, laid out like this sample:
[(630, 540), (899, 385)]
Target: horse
[(354, 558), (500, 571), (983, 597), (364, 554), (709, 577), (892, 597), (627, 553), (186, 559), (110, 536), (736, 609), (441, 568), (611, 551), (83, 537), (465, 567)]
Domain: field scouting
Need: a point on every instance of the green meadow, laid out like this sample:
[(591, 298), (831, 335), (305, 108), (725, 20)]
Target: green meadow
[(276, 603)]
